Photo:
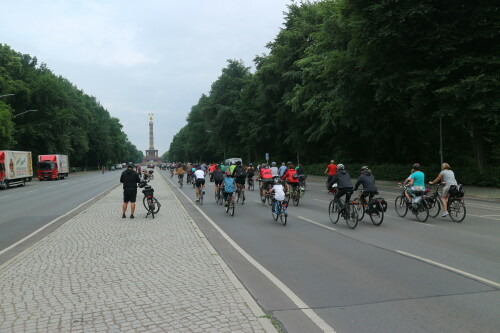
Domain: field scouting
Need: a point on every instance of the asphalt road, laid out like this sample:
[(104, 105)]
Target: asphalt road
[(365, 280), (26, 209)]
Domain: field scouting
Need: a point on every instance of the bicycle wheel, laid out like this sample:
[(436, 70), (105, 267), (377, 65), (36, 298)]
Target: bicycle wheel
[(333, 212), (269, 199), (457, 210), (145, 202), (377, 217), (238, 195), (231, 207), (243, 198), (360, 208), (400, 205), (422, 212), (283, 218), (262, 198), (276, 212), (434, 206), (201, 199), (352, 217), (295, 198), (151, 207), (157, 205)]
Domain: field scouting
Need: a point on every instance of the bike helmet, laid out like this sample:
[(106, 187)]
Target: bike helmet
[(416, 166), (250, 164), (340, 166), (364, 168), (130, 165), (273, 164)]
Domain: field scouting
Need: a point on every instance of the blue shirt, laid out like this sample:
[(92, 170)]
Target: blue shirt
[(282, 170), (229, 185), (418, 177)]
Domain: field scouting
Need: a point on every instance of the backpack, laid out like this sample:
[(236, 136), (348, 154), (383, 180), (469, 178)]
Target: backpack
[(295, 175), (239, 172), (456, 191)]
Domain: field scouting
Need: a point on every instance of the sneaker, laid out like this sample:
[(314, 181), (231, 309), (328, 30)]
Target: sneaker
[(445, 214), (197, 200), (203, 192), (123, 216), (132, 216)]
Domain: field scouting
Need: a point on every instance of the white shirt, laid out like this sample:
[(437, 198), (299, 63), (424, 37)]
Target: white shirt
[(274, 172), (279, 193), (199, 174)]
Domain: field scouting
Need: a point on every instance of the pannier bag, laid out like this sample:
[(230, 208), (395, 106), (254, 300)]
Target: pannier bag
[(383, 203)]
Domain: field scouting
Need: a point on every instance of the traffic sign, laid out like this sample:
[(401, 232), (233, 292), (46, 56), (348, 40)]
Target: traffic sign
[(267, 156)]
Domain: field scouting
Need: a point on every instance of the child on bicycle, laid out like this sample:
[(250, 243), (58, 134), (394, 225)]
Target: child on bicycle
[(228, 186), (279, 193)]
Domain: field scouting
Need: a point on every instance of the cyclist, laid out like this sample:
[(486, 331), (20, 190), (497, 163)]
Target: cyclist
[(250, 173), (274, 170), (228, 186), (223, 168), (232, 166), (301, 173), (368, 181), (199, 176), (218, 177), (239, 176), (331, 169), (279, 193), (282, 169), (416, 182), (344, 184), (448, 178), (267, 178), (180, 171), (211, 170), (291, 177), (193, 170)]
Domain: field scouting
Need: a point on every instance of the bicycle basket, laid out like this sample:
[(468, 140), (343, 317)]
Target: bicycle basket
[(383, 203), (148, 191), (372, 206), (456, 191)]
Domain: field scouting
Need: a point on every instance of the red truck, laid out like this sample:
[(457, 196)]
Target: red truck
[(52, 167), (15, 168)]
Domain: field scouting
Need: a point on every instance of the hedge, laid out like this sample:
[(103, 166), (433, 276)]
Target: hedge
[(399, 172)]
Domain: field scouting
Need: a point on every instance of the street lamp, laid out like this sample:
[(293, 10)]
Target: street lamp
[(6, 95), (441, 138), (17, 115)]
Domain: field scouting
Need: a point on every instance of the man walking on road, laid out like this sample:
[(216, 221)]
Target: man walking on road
[(129, 179)]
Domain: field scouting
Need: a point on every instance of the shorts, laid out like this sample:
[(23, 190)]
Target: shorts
[(266, 182), (218, 182), (292, 184), (199, 182), (240, 180), (129, 195), (446, 189)]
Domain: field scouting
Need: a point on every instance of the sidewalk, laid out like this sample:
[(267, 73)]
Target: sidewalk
[(473, 192), (101, 273)]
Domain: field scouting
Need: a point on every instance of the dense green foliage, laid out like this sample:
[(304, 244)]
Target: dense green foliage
[(361, 81), (67, 122)]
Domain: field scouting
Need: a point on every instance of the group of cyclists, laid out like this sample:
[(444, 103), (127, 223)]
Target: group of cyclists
[(281, 180)]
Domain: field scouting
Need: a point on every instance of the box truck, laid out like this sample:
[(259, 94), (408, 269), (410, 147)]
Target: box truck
[(52, 167), (16, 168)]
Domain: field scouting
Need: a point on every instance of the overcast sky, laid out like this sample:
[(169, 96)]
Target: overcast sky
[(146, 56)]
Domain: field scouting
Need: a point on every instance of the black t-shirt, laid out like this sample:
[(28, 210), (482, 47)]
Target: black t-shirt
[(218, 175), (130, 178)]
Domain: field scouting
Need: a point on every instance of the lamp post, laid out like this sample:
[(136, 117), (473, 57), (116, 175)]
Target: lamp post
[(6, 95), (17, 115), (441, 138)]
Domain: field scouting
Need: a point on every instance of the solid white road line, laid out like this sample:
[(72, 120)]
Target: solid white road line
[(322, 201), (317, 320), (51, 222), (458, 271), (317, 223), (490, 217)]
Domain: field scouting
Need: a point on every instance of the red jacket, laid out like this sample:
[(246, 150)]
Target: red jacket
[(288, 176), (265, 173)]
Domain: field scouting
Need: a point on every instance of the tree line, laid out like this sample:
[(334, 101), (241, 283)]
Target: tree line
[(68, 121), (364, 81)]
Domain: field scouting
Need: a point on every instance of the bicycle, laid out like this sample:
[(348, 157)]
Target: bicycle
[(294, 195), (240, 189), (302, 184), (280, 211), (433, 201), (251, 185), (418, 206), (151, 204), (218, 195), (230, 204), (181, 180), (373, 208), (347, 210)]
